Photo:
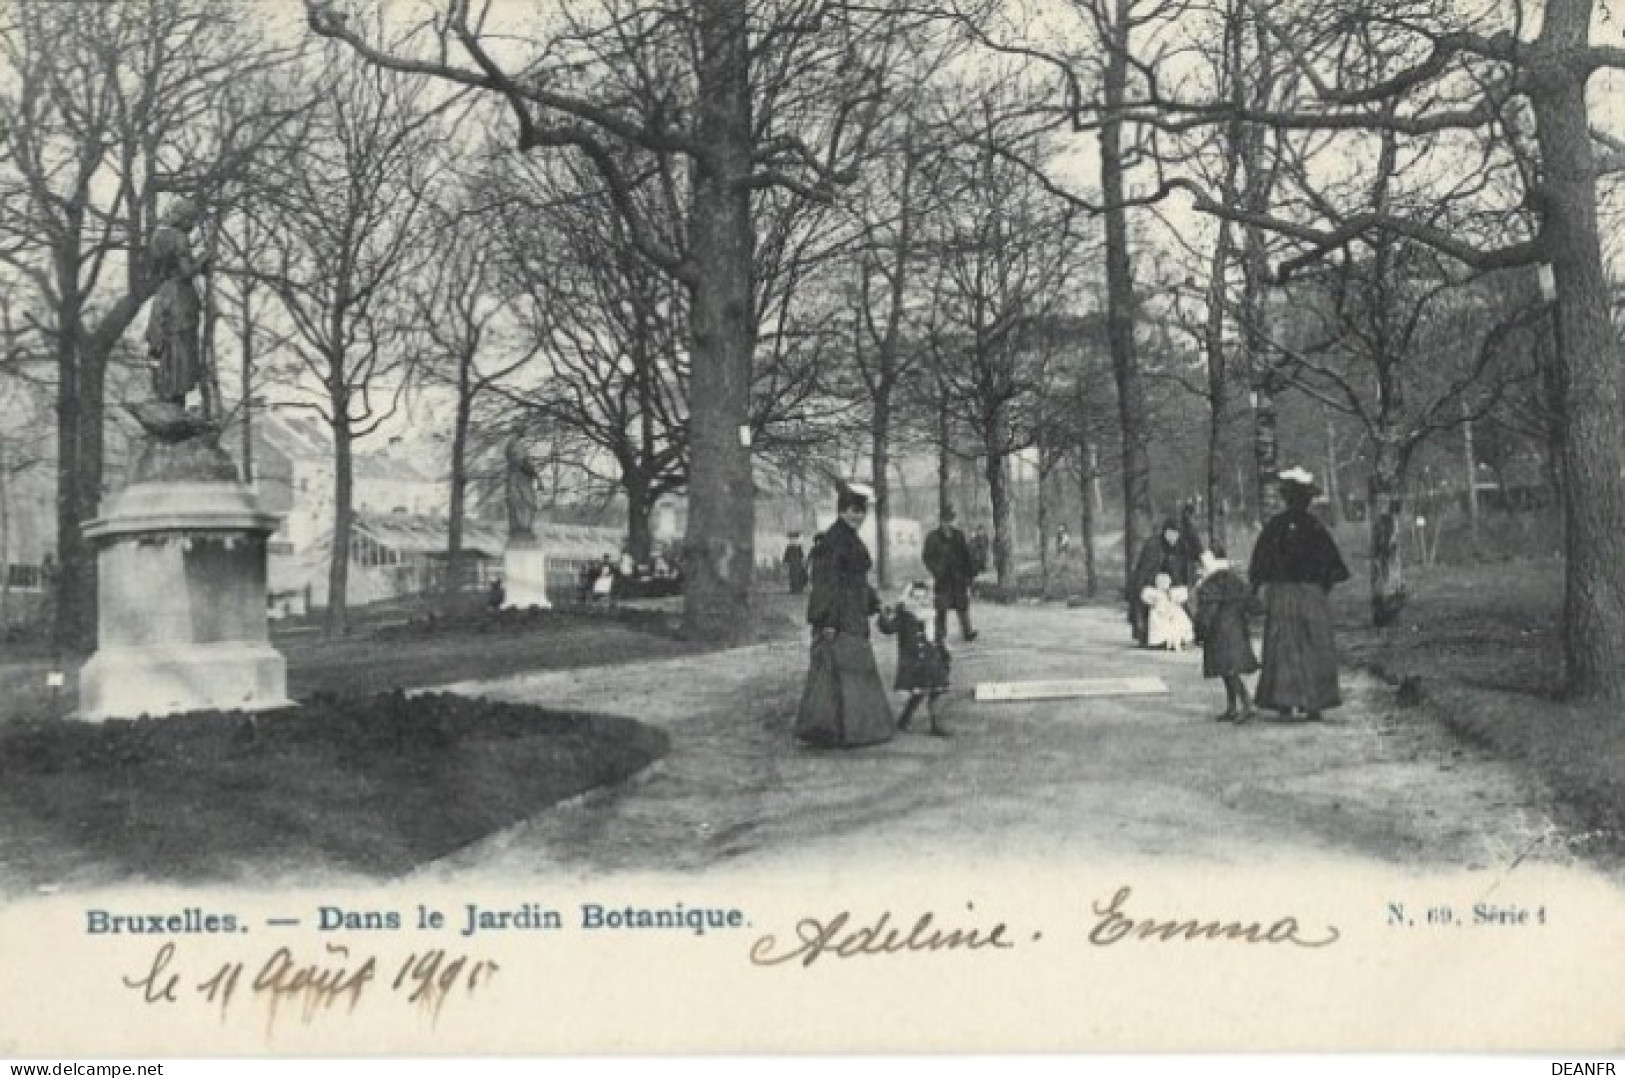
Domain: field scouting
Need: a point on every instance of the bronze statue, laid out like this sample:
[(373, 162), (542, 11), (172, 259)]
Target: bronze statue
[(173, 340), (521, 491)]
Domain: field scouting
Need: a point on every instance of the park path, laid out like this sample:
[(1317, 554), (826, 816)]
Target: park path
[(1141, 777)]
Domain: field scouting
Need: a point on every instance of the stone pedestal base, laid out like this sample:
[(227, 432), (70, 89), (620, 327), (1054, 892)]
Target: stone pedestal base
[(524, 578), (181, 619), (166, 679)]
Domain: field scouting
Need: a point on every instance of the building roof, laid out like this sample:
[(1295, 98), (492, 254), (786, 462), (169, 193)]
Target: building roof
[(300, 436)]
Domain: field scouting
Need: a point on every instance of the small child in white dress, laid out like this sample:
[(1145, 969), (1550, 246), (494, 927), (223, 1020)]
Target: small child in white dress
[(1167, 624)]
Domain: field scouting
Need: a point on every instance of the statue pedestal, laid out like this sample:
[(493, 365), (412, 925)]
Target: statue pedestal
[(181, 593), (524, 576)]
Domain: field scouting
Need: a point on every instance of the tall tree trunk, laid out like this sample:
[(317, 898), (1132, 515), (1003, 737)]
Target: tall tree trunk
[(994, 440), (71, 549), (246, 345), (945, 470), (1138, 509), (1334, 493), (92, 410), (722, 510), (1385, 491), (457, 509), (998, 489), (1472, 470), (1043, 533), (1266, 449), (5, 536), (1217, 382), (640, 506), (880, 468), (1588, 365), (338, 568), (1088, 487)]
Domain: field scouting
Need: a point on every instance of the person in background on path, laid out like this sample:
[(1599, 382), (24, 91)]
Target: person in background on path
[(603, 584), (795, 564), (922, 658), (1167, 624), (843, 704), (1221, 623), (1160, 554), (948, 558), (1295, 565), (1063, 542)]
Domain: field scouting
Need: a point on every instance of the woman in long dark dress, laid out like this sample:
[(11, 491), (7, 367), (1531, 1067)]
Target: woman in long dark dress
[(1296, 563), (844, 703)]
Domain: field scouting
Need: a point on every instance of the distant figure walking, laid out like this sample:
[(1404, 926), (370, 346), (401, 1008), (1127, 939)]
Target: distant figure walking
[(1221, 624), (795, 564), (1295, 564), (948, 558), (843, 704)]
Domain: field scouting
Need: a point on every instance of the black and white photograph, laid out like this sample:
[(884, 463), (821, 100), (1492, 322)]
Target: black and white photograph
[(538, 527)]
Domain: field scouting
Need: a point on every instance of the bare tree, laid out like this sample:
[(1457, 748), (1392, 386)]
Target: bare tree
[(1001, 260), (349, 234), (468, 342), (608, 328), (702, 88), (111, 107)]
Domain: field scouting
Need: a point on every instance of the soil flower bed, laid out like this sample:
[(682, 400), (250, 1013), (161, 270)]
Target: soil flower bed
[(373, 785)]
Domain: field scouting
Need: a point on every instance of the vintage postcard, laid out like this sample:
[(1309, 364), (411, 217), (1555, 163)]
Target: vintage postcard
[(800, 526)]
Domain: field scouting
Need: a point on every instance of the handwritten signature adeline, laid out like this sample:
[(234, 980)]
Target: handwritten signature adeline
[(839, 937)]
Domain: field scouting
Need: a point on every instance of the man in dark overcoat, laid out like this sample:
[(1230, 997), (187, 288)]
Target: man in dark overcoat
[(947, 555)]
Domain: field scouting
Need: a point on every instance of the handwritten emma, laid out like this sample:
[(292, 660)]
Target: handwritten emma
[(1114, 925)]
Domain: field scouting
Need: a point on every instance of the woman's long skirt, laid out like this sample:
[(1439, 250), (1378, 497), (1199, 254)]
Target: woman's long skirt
[(1300, 652), (844, 702)]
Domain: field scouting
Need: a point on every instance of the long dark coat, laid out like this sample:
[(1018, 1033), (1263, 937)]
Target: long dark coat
[(948, 557), (843, 704), (1296, 563), (922, 663), (1221, 622)]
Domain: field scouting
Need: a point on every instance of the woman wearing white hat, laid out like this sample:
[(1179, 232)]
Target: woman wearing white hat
[(1296, 563)]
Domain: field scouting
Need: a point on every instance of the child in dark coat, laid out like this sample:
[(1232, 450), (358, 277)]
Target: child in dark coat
[(922, 662), (1221, 616)]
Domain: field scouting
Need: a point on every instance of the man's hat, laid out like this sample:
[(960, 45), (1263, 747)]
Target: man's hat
[(854, 495), (948, 513)]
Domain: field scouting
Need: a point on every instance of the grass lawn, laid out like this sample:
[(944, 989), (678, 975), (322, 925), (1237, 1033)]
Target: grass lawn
[(359, 778), (372, 786), (407, 649), (1481, 644)]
